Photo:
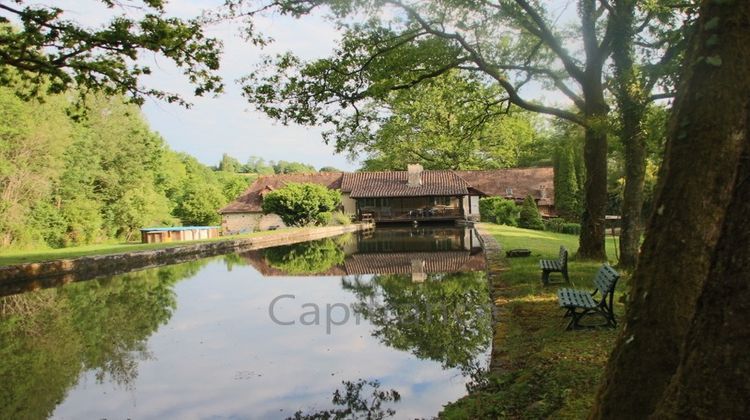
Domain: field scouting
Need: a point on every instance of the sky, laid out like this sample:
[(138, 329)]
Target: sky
[(229, 123)]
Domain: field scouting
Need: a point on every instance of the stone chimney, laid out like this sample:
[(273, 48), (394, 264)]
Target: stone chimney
[(414, 175)]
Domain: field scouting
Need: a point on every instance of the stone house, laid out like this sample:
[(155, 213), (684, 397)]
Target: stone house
[(400, 196)]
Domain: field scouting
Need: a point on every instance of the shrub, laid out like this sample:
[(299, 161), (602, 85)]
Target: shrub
[(530, 217), (340, 218), (559, 225), (554, 225), (324, 218), (571, 228), (302, 204), (499, 210)]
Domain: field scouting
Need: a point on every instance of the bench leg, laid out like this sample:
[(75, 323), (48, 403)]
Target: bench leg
[(575, 317), (545, 277), (565, 275)]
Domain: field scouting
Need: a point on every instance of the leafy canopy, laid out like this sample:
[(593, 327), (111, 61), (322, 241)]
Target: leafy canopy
[(450, 122), (51, 51)]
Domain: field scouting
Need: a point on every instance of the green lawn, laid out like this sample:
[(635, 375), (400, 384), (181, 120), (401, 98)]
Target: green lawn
[(12, 257), (540, 370)]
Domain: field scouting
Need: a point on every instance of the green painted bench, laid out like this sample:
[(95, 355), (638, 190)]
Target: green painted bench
[(579, 303), (559, 265)]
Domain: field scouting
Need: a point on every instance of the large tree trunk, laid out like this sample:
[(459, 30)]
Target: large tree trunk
[(591, 244), (712, 379), (706, 137), (631, 102)]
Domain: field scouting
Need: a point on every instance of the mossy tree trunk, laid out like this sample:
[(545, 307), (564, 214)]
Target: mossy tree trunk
[(707, 135), (712, 377), (595, 144), (632, 103)]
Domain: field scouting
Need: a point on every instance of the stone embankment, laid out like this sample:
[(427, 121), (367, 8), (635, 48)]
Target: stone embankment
[(496, 265), (30, 276)]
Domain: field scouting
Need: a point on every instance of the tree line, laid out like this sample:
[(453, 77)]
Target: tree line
[(100, 176), (259, 166)]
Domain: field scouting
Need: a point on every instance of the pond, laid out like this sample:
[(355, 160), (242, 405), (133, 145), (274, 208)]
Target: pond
[(396, 320)]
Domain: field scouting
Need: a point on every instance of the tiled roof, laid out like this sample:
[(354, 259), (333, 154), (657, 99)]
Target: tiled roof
[(519, 182), (252, 198), (394, 184)]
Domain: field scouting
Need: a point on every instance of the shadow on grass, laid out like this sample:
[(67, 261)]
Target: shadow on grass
[(539, 370)]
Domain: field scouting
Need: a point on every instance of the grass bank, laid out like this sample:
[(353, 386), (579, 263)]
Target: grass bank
[(12, 257), (538, 370)]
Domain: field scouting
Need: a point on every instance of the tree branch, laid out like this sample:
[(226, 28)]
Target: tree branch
[(546, 35), (488, 68)]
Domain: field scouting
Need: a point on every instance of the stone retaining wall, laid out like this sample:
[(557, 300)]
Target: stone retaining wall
[(496, 265), (30, 276)]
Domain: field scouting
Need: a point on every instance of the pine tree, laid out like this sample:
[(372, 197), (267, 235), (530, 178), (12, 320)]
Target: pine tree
[(530, 217), (566, 184)]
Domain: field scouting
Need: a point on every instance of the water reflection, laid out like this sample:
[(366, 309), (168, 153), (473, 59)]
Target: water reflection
[(354, 403), (416, 252), (51, 336), (446, 318), (148, 345)]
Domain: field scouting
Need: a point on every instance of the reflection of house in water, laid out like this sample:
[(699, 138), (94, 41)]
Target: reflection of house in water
[(405, 251)]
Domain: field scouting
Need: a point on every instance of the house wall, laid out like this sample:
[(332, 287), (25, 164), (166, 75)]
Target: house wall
[(349, 204), (233, 223), (269, 221)]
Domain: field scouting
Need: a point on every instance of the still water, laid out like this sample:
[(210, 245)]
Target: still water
[(397, 319)]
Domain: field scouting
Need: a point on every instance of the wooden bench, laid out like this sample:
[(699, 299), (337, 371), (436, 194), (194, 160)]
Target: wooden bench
[(559, 265), (578, 303)]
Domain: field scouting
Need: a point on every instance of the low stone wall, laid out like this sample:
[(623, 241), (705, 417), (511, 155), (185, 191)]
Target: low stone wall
[(496, 265), (30, 276)]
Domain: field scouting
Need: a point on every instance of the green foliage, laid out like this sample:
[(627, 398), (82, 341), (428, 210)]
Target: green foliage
[(50, 52), (341, 218), (284, 167), (229, 164), (302, 204), (198, 204), (65, 182), (233, 185), (306, 257), (58, 334), (569, 172), (257, 165), (559, 225), (446, 123), (529, 217), (329, 169), (499, 210)]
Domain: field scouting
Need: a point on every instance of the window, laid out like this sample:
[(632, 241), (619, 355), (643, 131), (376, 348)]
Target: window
[(375, 202), (441, 201)]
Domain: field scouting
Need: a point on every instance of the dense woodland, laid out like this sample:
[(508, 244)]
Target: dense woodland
[(77, 179)]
